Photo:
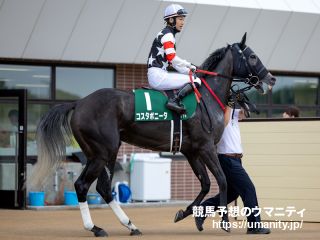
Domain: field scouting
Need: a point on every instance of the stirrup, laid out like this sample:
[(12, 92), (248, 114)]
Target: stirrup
[(175, 106)]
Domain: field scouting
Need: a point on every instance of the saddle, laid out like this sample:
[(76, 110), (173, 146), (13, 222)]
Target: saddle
[(150, 105)]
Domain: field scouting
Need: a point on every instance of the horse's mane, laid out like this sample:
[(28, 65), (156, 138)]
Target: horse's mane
[(212, 61)]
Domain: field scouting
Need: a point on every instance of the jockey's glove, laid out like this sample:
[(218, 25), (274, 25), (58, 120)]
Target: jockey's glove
[(193, 68)]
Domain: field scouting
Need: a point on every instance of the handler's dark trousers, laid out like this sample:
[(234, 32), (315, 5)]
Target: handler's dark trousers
[(239, 183)]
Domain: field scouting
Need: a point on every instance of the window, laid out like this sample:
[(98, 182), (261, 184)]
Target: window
[(36, 79), (262, 114), (75, 83), (7, 124), (71, 83), (35, 111), (300, 91), (295, 90), (277, 113)]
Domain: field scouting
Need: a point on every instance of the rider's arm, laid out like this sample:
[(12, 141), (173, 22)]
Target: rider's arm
[(179, 64)]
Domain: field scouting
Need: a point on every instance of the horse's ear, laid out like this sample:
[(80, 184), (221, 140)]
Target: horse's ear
[(243, 41)]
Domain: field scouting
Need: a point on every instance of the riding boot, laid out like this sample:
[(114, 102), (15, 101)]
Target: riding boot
[(175, 104)]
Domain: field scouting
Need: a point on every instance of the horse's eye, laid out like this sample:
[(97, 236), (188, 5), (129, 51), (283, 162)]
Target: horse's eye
[(253, 59)]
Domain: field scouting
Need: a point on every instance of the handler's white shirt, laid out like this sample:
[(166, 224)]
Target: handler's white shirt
[(230, 141)]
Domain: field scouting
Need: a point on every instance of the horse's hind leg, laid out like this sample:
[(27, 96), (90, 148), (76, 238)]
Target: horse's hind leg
[(104, 188), (82, 185)]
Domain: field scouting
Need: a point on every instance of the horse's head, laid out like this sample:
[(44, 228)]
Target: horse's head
[(247, 65)]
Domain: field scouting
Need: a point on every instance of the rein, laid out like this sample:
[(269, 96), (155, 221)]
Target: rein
[(213, 94), (198, 95), (213, 74)]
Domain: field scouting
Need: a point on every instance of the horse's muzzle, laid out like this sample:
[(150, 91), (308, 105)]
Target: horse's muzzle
[(270, 80)]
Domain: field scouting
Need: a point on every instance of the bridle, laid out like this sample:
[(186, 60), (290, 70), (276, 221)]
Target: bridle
[(252, 79), (253, 75)]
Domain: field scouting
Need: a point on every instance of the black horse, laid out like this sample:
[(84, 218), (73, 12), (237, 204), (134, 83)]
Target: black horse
[(100, 121)]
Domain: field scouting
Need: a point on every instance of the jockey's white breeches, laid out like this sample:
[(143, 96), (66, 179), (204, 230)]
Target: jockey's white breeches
[(160, 79)]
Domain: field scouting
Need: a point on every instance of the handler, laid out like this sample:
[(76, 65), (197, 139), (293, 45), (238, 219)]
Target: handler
[(239, 183)]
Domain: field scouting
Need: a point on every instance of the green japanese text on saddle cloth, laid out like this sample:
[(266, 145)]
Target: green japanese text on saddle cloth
[(150, 105)]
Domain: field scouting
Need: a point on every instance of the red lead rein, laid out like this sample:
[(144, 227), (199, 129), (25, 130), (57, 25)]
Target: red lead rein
[(207, 72), (213, 94), (198, 95), (196, 91)]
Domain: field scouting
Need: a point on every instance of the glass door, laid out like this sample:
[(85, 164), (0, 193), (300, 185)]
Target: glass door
[(12, 148)]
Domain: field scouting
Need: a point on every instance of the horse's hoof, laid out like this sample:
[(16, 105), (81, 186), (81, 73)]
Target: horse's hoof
[(179, 216), (135, 232), (199, 223), (99, 232), (225, 226)]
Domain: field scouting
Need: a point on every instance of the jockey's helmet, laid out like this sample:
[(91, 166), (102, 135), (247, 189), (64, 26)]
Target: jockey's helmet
[(174, 10)]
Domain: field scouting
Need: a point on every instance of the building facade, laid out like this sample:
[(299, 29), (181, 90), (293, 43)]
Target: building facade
[(61, 51)]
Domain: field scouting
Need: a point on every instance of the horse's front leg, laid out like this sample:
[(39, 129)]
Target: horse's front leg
[(210, 158), (200, 171)]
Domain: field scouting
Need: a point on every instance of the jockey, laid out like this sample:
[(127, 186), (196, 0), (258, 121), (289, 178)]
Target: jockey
[(163, 54)]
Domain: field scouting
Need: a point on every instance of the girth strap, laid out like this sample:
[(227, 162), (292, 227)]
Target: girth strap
[(176, 129)]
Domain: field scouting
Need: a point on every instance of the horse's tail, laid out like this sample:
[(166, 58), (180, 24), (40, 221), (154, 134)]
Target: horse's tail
[(53, 135)]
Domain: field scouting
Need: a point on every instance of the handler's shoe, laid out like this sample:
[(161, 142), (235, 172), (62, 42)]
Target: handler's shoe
[(199, 222), (258, 231)]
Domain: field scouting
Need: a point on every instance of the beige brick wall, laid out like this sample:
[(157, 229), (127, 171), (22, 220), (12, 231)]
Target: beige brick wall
[(184, 184), (283, 160)]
